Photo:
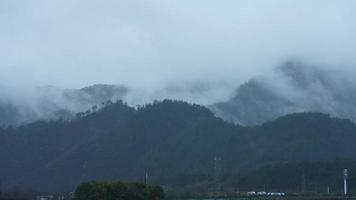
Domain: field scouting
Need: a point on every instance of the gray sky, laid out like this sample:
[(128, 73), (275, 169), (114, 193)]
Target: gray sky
[(149, 43)]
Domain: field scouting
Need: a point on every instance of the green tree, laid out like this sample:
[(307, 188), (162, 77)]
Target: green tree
[(117, 191)]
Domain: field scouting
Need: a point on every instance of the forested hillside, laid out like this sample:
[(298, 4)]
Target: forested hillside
[(178, 144), (292, 87), (50, 103)]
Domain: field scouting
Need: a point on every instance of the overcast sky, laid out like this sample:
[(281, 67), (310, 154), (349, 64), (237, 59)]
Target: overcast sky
[(149, 43)]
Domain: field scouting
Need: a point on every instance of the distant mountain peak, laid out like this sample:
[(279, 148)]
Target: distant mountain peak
[(50, 103), (294, 87)]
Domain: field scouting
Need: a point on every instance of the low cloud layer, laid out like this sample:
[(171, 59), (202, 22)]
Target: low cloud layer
[(151, 44), (291, 88)]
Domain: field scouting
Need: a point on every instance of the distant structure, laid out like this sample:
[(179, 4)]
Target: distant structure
[(45, 197), (345, 181), (146, 178)]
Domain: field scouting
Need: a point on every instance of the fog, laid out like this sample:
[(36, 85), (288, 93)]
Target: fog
[(199, 51), (150, 43)]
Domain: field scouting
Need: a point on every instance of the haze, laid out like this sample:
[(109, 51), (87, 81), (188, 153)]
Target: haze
[(155, 43)]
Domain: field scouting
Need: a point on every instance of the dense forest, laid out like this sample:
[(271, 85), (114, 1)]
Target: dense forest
[(180, 146)]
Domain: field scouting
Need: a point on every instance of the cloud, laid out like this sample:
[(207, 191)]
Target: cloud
[(150, 43)]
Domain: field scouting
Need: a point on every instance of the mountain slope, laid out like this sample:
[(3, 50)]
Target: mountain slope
[(293, 87), (175, 142), (50, 103), (27, 149)]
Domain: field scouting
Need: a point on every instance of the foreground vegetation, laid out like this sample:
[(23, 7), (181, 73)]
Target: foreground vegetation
[(117, 191)]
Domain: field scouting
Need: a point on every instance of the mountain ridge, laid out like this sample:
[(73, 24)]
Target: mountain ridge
[(175, 142), (51, 103), (293, 87)]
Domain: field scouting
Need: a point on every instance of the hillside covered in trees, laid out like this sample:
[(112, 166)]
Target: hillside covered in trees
[(181, 146), (292, 87)]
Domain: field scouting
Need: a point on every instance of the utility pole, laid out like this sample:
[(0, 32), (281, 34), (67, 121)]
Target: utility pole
[(146, 178), (345, 181)]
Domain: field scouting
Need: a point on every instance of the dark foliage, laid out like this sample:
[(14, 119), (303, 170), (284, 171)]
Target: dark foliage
[(176, 143), (117, 191)]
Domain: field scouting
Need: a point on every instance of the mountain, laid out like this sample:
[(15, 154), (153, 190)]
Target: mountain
[(50, 103), (23, 106), (180, 145), (94, 94), (293, 87)]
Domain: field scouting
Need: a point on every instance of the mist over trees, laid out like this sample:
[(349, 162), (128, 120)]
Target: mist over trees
[(176, 143), (292, 87), (201, 97), (23, 106)]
